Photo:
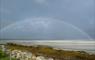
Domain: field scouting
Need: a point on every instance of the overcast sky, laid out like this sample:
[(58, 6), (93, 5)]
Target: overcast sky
[(47, 19)]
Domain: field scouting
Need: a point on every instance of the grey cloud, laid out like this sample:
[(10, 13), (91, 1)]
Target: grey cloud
[(80, 13)]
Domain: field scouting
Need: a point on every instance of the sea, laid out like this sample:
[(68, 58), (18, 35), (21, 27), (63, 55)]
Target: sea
[(72, 45)]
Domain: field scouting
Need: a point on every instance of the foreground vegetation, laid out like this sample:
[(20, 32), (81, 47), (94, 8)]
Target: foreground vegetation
[(54, 53), (4, 56)]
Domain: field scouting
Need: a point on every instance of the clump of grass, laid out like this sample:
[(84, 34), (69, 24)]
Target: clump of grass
[(4, 56)]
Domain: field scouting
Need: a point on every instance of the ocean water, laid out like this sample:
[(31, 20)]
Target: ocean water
[(74, 45)]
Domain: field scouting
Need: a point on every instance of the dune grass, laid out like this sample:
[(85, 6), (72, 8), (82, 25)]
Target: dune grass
[(50, 52), (4, 56)]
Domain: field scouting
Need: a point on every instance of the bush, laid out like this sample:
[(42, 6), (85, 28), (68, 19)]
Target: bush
[(2, 54)]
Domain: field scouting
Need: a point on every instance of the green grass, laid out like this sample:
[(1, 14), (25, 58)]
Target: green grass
[(3, 56), (6, 58)]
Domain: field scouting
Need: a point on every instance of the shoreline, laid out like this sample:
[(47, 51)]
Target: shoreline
[(70, 45)]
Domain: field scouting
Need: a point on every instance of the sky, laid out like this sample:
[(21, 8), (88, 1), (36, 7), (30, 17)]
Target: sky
[(47, 19)]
